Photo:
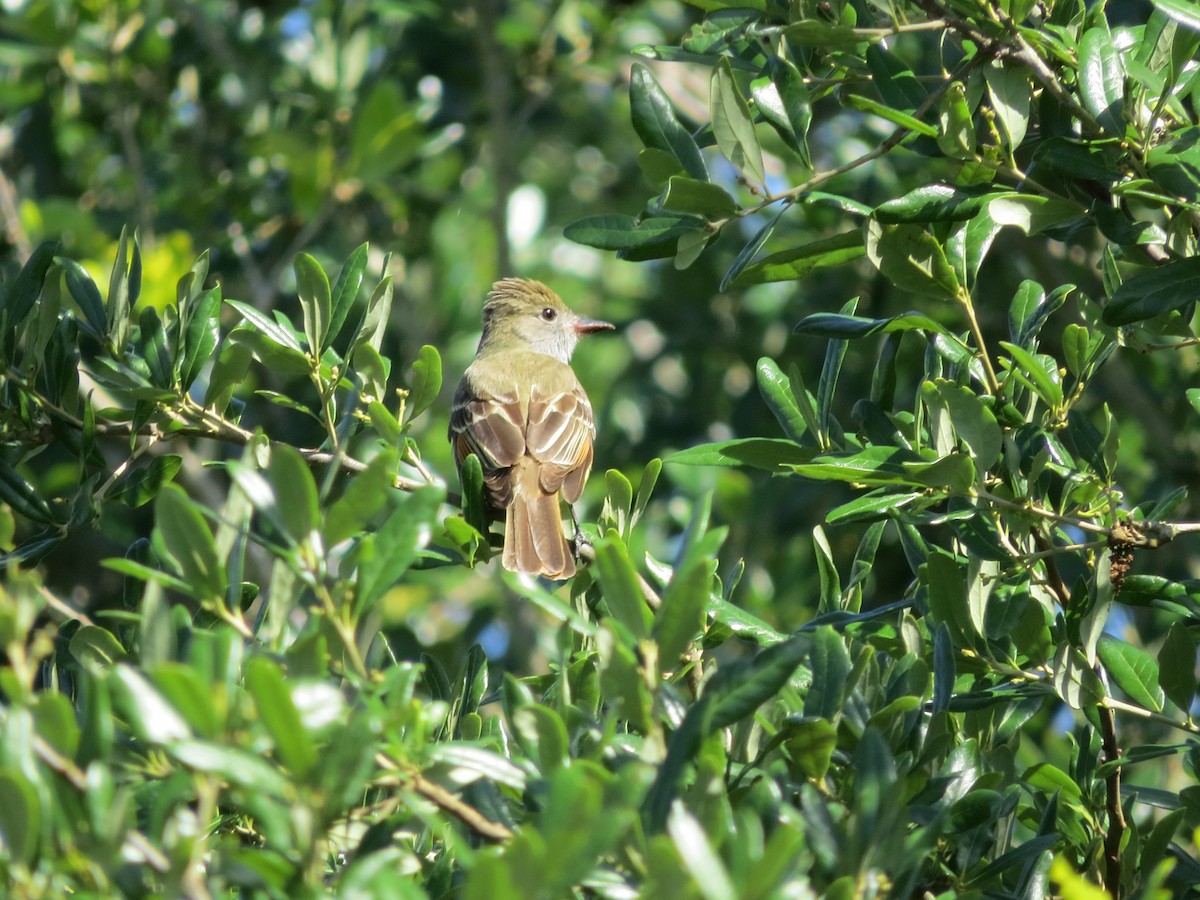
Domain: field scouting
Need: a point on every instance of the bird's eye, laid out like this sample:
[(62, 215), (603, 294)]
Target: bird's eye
[(549, 314)]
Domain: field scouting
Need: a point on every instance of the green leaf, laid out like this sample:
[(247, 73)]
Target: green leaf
[(628, 235), (20, 818), (768, 672), (698, 856), (141, 483), (152, 718), (1076, 160), (1102, 79), (830, 665), (619, 585), (1029, 365), (190, 543), (680, 618), (124, 285), (880, 465), (365, 496), (750, 250), (797, 262), (912, 259), (1074, 680), (810, 743), (842, 327), (973, 422), (294, 489), (894, 79), (200, 337), (375, 317), (293, 745), (780, 396), (1133, 670), (316, 303), (233, 764), (1177, 666), (700, 198), (1031, 214), (895, 116), (655, 123), (267, 326), (345, 290), (771, 454), (396, 542), (1010, 91), (816, 33), (24, 499), (426, 381), (86, 296), (932, 203), (731, 123), (782, 99), (1185, 12), (1155, 292), (96, 646), (24, 290), (153, 345)]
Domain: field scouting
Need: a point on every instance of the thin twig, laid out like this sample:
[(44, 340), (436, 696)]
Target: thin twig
[(444, 800)]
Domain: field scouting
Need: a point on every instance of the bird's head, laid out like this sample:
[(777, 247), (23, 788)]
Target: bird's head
[(524, 314)]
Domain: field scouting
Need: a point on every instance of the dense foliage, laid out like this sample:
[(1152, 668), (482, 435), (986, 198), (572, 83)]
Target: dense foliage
[(915, 618)]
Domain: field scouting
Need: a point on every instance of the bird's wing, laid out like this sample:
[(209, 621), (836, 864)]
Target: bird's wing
[(489, 424), (559, 435)]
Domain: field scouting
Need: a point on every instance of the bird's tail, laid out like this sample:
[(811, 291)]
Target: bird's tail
[(533, 534)]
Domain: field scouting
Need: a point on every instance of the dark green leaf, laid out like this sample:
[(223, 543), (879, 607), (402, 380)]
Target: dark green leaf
[(780, 396), (932, 203), (1177, 666), (655, 122), (293, 745), (1102, 79), (619, 585), (266, 325), (426, 381), (153, 344), (345, 290), (20, 818), (316, 302), (830, 665), (187, 537), (1155, 292), (295, 493), (771, 454), (750, 250), (124, 285), (1182, 11), (1133, 670), (24, 290), (365, 496), (912, 259), (24, 499), (396, 542), (731, 122), (86, 296), (835, 325), (700, 198), (96, 646), (798, 262), (200, 337), (782, 99), (141, 483), (616, 232)]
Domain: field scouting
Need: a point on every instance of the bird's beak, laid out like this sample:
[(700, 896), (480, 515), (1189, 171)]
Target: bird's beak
[(589, 326)]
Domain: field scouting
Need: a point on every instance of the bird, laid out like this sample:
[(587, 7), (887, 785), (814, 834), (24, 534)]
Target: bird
[(521, 410)]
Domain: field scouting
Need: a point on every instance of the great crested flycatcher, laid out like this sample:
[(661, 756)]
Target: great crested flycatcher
[(522, 411)]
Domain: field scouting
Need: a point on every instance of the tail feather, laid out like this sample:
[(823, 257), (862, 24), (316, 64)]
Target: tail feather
[(533, 534)]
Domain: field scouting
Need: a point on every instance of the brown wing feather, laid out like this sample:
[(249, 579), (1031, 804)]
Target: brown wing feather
[(559, 436)]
